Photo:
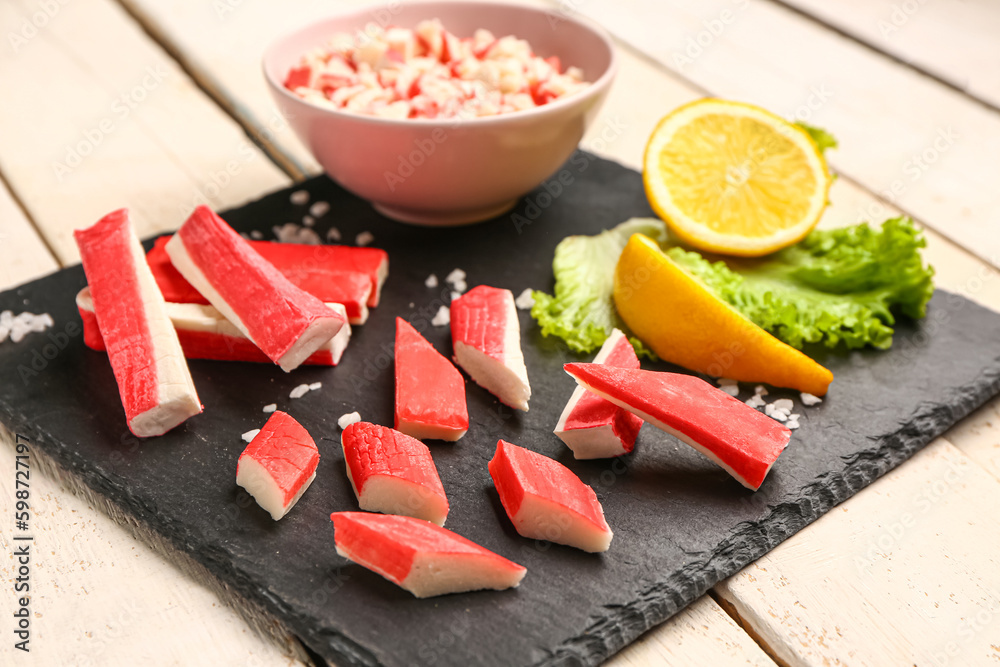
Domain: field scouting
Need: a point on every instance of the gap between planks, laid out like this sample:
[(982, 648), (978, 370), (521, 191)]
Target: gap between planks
[(734, 614), (12, 193), (257, 135)]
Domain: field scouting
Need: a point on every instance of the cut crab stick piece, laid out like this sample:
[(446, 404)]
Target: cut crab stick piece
[(291, 257), (393, 473), (545, 500), (278, 465), (744, 442), (593, 427), (421, 557), (486, 337), (153, 377), (285, 322), (430, 392), (314, 273), (205, 334)]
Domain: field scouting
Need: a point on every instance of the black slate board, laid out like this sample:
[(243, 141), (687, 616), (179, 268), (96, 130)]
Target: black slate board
[(681, 524)]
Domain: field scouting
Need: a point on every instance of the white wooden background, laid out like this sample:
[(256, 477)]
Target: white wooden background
[(164, 96)]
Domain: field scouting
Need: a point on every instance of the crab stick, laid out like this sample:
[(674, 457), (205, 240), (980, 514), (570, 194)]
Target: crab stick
[(313, 272), (744, 442), (291, 257), (205, 334), (430, 392), (153, 377), (486, 337), (285, 322), (278, 465), (545, 500), (393, 473), (419, 556), (593, 427)]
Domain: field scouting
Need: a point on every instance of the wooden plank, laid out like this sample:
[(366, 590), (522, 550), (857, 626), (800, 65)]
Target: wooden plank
[(119, 125), (701, 635), (23, 255), (906, 572), (221, 43), (917, 143), (954, 40), (100, 597), (978, 437)]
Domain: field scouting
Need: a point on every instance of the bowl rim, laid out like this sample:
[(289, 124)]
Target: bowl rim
[(595, 88)]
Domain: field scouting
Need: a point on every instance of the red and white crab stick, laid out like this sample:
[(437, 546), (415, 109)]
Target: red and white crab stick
[(393, 473), (486, 337), (285, 322), (205, 334), (278, 465), (430, 392), (545, 500), (744, 442), (421, 557), (593, 427), (153, 378), (314, 269)]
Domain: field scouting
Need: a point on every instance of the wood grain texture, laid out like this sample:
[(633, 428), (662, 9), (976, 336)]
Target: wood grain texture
[(702, 635), (101, 597), (978, 437), (23, 255), (955, 40), (915, 142), (919, 585), (106, 119)]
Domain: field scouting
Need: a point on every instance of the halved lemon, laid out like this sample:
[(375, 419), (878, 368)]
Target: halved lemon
[(732, 178)]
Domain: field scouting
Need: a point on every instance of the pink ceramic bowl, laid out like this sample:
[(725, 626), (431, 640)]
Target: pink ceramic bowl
[(448, 172)]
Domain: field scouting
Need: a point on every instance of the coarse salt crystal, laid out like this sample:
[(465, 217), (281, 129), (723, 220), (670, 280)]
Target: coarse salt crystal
[(250, 435), (315, 385), (432, 281), (756, 401), (348, 419), (456, 276), (809, 399), (456, 295), (794, 416), (460, 286), (256, 235), (299, 197), (779, 415), (299, 391), (784, 404), (308, 220), (731, 389), (727, 381), (760, 390), (791, 424), (292, 233), (270, 407), (319, 209), (526, 299), (364, 238), (442, 318), (333, 234)]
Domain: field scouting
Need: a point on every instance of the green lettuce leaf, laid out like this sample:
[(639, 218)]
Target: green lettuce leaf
[(820, 137), (582, 311), (836, 286)]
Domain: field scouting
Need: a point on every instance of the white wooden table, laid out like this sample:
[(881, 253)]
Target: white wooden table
[(146, 104)]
